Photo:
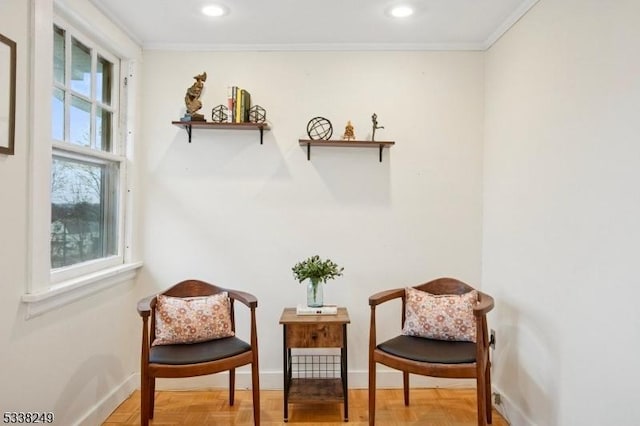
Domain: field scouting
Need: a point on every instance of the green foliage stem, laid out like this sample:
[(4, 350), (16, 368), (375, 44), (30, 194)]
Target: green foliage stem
[(316, 270)]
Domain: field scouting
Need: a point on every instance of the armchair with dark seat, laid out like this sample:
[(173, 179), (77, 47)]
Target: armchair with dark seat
[(168, 360), (431, 357)]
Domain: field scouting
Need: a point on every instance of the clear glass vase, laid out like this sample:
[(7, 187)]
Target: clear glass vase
[(314, 293)]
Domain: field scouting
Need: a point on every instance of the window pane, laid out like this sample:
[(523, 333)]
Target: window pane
[(80, 122), (80, 68), (103, 130), (104, 80), (84, 188), (58, 54), (83, 211), (57, 115)]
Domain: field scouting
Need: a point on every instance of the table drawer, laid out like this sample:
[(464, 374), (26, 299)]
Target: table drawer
[(314, 336)]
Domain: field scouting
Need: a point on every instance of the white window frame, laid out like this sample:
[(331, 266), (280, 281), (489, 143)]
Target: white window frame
[(70, 151), (48, 289)]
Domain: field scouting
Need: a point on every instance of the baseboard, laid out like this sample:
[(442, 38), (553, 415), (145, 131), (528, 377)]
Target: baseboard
[(97, 414), (510, 411)]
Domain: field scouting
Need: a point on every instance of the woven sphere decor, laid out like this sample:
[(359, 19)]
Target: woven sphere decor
[(257, 114), (319, 128), (220, 114)]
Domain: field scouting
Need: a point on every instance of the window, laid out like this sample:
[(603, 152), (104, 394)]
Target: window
[(88, 163), (81, 146)]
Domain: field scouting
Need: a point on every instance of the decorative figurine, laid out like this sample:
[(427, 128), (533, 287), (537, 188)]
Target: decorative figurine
[(192, 99), (348, 132), (319, 128), (374, 118), (220, 114), (257, 114)]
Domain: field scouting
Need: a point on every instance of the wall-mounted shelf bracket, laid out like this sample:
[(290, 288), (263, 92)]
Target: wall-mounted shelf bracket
[(188, 128), (343, 143), (189, 125)]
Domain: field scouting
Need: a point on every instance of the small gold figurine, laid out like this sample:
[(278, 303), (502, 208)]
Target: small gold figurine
[(192, 98), (348, 132)]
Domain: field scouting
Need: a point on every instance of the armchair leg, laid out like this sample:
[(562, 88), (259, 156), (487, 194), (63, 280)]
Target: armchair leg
[(144, 400), (481, 400), (232, 386), (372, 392), (487, 393), (152, 396), (405, 384), (255, 388)]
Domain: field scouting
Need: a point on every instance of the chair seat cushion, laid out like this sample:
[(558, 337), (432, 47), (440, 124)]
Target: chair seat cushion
[(194, 353), (430, 350)]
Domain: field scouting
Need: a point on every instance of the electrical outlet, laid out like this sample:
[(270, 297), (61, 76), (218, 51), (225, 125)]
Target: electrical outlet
[(497, 398), (492, 339)]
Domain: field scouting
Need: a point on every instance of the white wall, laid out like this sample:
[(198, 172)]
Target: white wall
[(239, 214), (561, 209), (79, 360), (556, 101)]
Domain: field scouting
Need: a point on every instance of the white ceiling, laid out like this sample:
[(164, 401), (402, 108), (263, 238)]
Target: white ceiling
[(315, 25)]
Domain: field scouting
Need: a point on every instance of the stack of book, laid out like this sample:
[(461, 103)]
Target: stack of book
[(322, 310), (238, 102)]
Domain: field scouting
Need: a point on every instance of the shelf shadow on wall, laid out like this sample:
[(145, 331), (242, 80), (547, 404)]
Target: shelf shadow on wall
[(354, 176), (220, 153)]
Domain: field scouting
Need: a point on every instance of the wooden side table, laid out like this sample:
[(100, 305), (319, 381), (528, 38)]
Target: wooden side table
[(314, 331)]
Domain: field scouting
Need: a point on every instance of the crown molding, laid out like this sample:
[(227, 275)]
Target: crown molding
[(508, 23), (315, 47)]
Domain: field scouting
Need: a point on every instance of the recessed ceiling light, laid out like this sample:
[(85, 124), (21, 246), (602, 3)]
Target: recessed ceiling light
[(401, 11), (214, 10)]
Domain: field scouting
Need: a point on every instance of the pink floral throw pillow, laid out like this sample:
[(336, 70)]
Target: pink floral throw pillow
[(192, 319), (440, 317)]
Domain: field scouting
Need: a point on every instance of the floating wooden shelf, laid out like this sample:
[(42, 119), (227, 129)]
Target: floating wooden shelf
[(343, 143), (190, 125)]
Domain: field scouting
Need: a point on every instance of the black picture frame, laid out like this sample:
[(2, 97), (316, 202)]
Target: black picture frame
[(7, 95)]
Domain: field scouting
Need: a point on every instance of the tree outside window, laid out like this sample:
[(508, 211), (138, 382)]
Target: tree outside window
[(87, 164)]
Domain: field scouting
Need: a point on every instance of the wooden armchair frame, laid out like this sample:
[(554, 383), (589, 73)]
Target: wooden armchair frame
[(150, 371), (480, 369)]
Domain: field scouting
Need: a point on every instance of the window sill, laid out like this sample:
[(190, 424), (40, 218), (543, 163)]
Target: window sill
[(68, 291)]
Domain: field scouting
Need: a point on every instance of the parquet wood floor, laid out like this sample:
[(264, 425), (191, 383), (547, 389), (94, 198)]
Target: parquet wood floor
[(429, 407)]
